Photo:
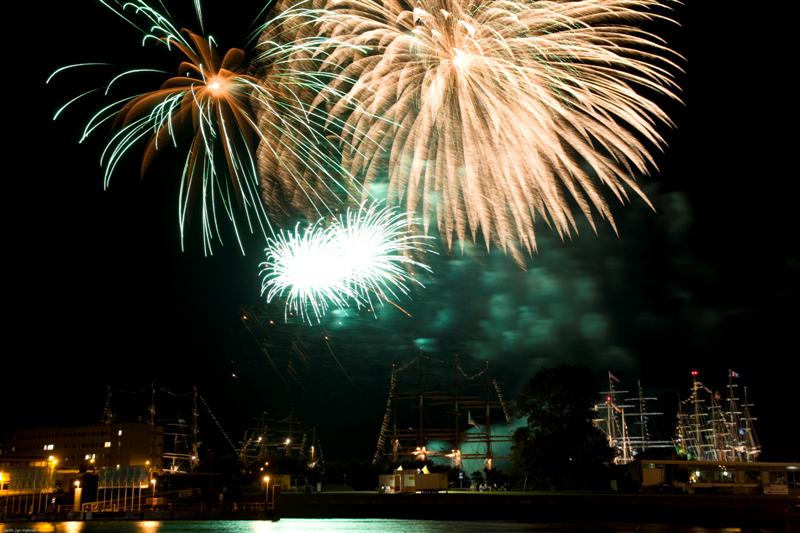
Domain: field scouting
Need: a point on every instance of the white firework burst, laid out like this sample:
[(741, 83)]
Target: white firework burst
[(352, 260)]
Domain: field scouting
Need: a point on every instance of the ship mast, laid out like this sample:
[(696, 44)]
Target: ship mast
[(753, 448), (698, 417), (642, 423), (734, 420), (402, 437), (643, 441), (616, 428)]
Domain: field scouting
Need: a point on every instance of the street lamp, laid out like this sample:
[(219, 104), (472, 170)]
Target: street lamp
[(153, 498), (77, 496), (266, 493)]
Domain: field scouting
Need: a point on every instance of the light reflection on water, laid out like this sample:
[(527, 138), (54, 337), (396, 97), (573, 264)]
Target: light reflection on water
[(346, 525)]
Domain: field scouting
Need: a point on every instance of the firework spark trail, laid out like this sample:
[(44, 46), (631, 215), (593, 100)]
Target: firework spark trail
[(362, 255), (488, 113), (214, 97), (327, 339), (286, 181)]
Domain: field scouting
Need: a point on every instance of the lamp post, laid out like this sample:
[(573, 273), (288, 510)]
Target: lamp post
[(266, 494), (77, 497), (153, 482), (52, 463)]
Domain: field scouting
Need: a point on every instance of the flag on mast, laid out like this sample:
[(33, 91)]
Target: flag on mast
[(613, 377), (733, 374)]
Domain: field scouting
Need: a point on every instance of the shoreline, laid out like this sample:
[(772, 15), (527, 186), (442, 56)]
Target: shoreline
[(565, 508)]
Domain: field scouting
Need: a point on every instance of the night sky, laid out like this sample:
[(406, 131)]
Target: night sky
[(102, 294)]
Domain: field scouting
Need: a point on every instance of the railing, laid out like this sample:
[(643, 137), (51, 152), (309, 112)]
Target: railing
[(11, 509), (247, 507), (26, 503)]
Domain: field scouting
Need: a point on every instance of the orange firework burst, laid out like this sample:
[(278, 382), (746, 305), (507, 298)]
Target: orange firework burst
[(215, 98), (214, 94)]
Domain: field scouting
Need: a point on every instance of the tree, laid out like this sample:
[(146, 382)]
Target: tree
[(560, 447)]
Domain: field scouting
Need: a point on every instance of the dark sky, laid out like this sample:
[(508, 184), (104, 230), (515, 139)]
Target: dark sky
[(100, 292)]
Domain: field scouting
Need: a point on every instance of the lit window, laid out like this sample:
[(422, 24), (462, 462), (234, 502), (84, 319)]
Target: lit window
[(119, 433), (107, 444), (48, 447)]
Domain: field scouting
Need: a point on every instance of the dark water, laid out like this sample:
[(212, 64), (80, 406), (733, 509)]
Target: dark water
[(345, 525)]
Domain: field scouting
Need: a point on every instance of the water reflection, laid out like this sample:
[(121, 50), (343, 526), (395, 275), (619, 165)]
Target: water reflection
[(341, 525)]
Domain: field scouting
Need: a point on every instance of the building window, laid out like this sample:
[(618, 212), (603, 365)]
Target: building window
[(107, 444), (48, 447)]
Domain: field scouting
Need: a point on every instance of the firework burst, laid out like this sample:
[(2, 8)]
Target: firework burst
[(286, 180), (349, 260), (486, 114), (215, 98)]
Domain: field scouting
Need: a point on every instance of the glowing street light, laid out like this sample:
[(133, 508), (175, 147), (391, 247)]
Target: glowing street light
[(266, 493)]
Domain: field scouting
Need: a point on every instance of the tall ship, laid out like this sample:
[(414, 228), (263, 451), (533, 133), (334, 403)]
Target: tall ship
[(716, 427), (425, 418), (626, 420)]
